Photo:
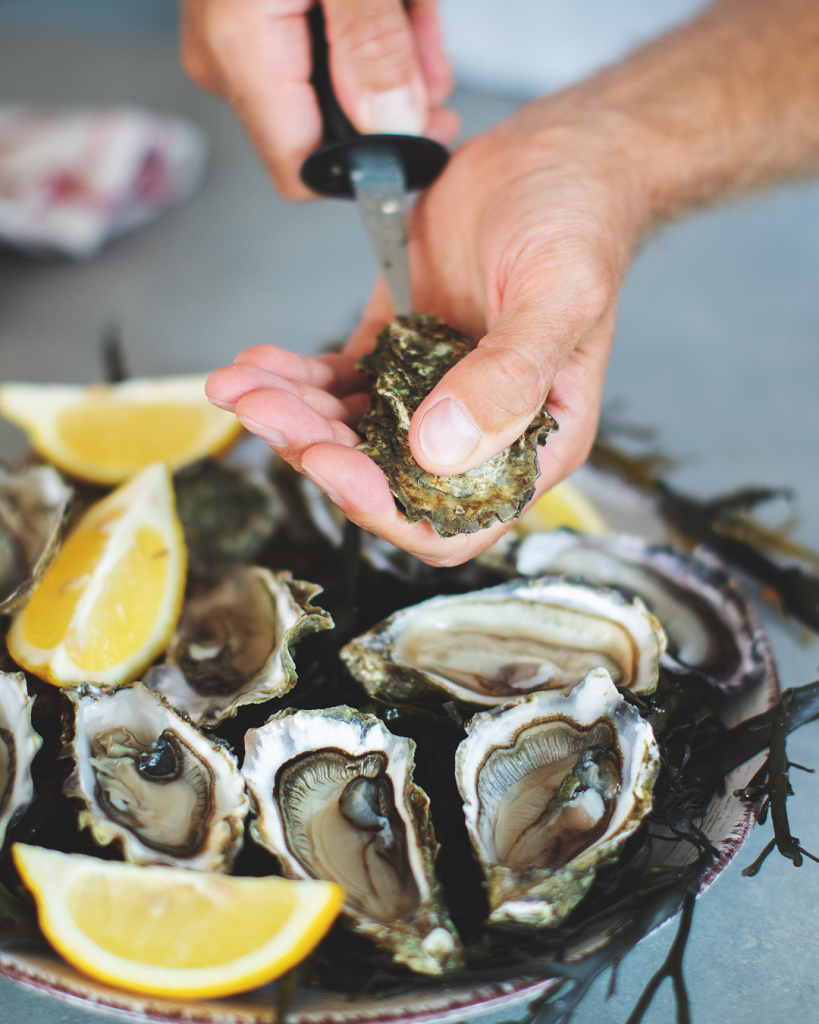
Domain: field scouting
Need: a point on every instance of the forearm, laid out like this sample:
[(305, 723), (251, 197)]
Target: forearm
[(725, 104)]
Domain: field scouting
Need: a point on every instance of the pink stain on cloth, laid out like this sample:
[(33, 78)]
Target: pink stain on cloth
[(71, 180)]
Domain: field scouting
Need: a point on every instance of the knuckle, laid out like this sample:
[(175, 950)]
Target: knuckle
[(518, 381), (379, 46)]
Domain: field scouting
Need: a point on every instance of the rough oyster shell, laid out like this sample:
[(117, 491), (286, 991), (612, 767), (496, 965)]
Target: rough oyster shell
[(33, 503), (489, 645), (150, 780), (18, 745), (411, 356), (228, 513), (552, 787), (232, 644), (335, 784), (711, 628)]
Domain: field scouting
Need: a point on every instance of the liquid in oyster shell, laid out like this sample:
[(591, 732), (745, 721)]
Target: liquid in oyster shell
[(334, 799), (152, 782), (553, 785)]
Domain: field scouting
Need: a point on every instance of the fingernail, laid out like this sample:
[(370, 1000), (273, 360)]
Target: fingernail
[(275, 438), (322, 485), (448, 434), (394, 112)]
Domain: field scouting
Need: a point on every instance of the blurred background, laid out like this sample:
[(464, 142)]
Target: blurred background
[(717, 348)]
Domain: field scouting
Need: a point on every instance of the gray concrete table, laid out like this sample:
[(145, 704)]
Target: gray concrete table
[(717, 346)]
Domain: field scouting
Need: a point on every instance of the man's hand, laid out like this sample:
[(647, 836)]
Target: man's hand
[(523, 242), (528, 237), (388, 67)]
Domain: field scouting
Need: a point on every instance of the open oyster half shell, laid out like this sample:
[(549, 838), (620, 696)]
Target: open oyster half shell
[(232, 643), (487, 646), (33, 505), (711, 628), (334, 799), (552, 786), (411, 355), (152, 782), (18, 745)]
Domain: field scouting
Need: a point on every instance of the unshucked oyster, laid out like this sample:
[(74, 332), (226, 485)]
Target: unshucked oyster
[(232, 644), (33, 504), (552, 788), (335, 800), (489, 645), (18, 745), (411, 356), (153, 782)]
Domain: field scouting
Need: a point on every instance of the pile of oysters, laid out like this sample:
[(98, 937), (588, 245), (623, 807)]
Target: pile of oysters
[(236, 745)]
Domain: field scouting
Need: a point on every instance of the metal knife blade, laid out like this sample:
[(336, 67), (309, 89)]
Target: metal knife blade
[(380, 191)]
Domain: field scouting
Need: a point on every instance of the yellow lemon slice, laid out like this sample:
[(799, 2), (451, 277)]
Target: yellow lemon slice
[(108, 432), (172, 932), (563, 505), (108, 603)]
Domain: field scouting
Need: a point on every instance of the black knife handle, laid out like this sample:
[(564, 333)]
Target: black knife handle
[(327, 171)]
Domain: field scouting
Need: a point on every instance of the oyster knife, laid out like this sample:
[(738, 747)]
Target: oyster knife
[(376, 170)]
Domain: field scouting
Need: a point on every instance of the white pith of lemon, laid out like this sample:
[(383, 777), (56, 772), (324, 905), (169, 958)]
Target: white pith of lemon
[(564, 505), (108, 603), (108, 432), (172, 932)]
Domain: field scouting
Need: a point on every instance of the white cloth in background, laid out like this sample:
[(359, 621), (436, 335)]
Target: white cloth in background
[(530, 47), (72, 179)]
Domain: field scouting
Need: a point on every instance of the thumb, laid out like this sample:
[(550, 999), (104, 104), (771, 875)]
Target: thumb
[(487, 400), (375, 66)]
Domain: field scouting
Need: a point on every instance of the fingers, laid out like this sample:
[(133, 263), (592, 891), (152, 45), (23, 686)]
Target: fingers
[(333, 372), (256, 53), (290, 425), (359, 488), (375, 66), (429, 43), (226, 387)]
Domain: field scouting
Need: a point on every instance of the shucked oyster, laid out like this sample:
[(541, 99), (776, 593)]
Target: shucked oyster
[(335, 800), (18, 745), (33, 504), (232, 644), (153, 782), (411, 356), (552, 787), (711, 628), (489, 645)]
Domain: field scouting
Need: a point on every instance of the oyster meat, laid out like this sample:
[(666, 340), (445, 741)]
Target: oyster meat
[(711, 628), (410, 357), (489, 645), (335, 800), (151, 781), (33, 504), (18, 745), (552, 786), (232, 644)]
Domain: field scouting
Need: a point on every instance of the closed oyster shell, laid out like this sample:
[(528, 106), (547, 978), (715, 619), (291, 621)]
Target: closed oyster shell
[(552, 786), (151, 781), (33, 504), (711, 628), (335, 800), (411, 356), (232, 644), (489, 645), (18, 745)]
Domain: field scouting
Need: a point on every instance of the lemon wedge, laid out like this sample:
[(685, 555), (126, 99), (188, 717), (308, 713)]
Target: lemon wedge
[(108, 603), (172, 932), (108, 432), (564, 505)]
